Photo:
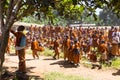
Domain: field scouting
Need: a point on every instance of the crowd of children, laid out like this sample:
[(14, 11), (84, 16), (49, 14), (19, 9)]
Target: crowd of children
[(75, 43)]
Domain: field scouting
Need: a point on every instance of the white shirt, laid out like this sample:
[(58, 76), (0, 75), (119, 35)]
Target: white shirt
[(19, 48), (115, 39)]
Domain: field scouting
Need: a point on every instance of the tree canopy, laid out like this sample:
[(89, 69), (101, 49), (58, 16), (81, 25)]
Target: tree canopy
[(14, 10)]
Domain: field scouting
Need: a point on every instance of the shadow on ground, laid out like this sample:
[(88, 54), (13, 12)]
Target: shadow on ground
[(9, 75), (29, 69), (28, 77), (49, 59), (12, 54), (64, 64), (29, 59), (117, 73), (33, 77)]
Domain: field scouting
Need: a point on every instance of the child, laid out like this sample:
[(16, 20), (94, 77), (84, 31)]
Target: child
[(56, 48), (94, 61), (35, 48), (76, 53)]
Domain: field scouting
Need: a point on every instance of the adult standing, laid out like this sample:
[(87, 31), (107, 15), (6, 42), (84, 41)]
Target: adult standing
[(20, 46)]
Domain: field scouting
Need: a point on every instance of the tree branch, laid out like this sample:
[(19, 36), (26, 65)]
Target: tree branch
[(9, 10), (15, 11), (27, 11)]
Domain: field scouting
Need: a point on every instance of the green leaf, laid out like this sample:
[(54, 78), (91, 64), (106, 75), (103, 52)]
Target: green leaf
[(81, 8)]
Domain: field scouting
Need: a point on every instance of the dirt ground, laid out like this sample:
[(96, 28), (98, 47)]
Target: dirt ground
[(37, 67)]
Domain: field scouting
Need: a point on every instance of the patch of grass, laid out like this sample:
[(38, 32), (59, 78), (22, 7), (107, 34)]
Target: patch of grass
[(61, 76), (49, 52), (85, 62), (12, 49), (61, 55), (87, 65), (29, 51), (116, 63), (46, 52)]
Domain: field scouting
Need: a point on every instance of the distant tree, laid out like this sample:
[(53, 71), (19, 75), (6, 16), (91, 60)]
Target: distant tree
[(108, 17)]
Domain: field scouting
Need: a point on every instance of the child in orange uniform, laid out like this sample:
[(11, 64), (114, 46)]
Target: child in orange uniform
[(56, 48), (76, 53), (35, 47)]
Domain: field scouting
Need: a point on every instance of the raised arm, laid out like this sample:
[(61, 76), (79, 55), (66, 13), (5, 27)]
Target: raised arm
[(13, 32)]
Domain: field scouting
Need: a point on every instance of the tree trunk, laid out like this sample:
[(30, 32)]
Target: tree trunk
[(3, 45)]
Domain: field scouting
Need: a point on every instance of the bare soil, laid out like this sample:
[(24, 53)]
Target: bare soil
[(38, 67)]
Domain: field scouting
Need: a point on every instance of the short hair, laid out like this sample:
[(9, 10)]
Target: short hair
[(21, 28)]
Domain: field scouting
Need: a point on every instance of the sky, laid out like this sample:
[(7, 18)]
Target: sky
[(98, 10)]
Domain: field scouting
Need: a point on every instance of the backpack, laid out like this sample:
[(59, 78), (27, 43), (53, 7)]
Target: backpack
[(23, 41)]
